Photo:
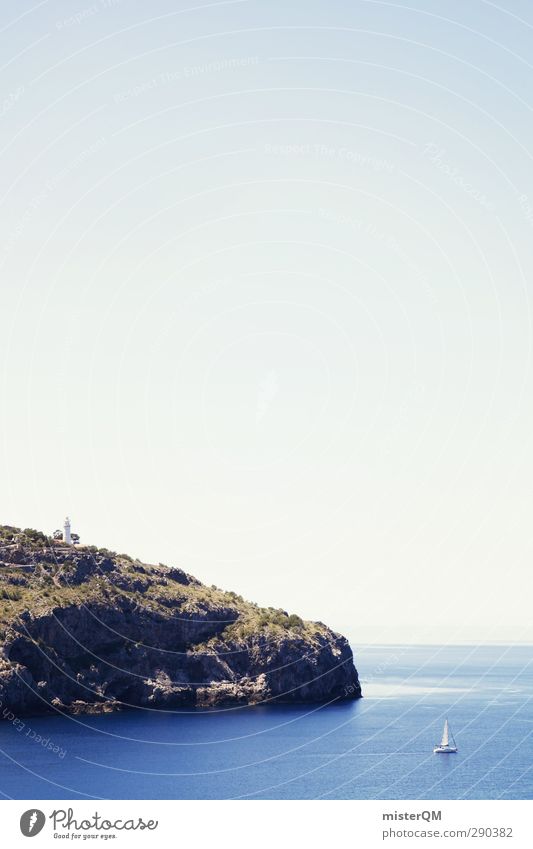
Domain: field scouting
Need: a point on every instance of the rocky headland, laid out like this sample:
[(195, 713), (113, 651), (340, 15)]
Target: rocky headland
[(86, 630)]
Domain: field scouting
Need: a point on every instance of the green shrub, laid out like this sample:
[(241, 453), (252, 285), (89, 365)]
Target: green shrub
[(235, 596), (12, 595), (35, 536)]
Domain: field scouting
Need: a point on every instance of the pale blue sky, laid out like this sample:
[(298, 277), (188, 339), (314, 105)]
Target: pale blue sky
[(266, 271)]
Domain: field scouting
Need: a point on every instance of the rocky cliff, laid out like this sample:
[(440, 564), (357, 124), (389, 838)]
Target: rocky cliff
[(83, 629)]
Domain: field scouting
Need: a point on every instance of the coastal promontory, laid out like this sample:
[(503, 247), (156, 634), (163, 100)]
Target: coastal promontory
[(83, 629)]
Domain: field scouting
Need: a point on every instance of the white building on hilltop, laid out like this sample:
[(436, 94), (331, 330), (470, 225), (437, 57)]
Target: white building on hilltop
[(66, 534)]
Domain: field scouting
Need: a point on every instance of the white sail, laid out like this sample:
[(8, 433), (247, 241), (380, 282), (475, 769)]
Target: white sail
[(445, 736)]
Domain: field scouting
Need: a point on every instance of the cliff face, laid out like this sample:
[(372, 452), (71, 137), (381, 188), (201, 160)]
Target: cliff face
[(84, 629)]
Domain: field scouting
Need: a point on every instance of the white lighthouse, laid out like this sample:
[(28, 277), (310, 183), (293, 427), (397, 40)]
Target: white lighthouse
[(66, 531)]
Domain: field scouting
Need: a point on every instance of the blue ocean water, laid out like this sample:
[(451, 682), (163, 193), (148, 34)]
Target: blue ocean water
[(378, 747)]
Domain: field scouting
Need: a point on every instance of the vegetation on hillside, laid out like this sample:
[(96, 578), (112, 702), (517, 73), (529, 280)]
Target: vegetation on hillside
[(39, 574)]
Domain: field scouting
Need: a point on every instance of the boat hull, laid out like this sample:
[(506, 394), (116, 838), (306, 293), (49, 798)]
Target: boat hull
[(444, 750)]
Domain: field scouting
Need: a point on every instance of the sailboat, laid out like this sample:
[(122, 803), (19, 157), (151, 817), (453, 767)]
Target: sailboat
[(445, 746)]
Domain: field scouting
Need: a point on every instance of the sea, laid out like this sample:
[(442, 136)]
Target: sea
[(379, 747)]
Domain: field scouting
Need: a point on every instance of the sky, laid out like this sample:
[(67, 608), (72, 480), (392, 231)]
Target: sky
[(265, 279)]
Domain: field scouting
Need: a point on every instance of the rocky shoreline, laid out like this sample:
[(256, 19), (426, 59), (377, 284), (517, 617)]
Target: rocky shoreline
[(84, 630)]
